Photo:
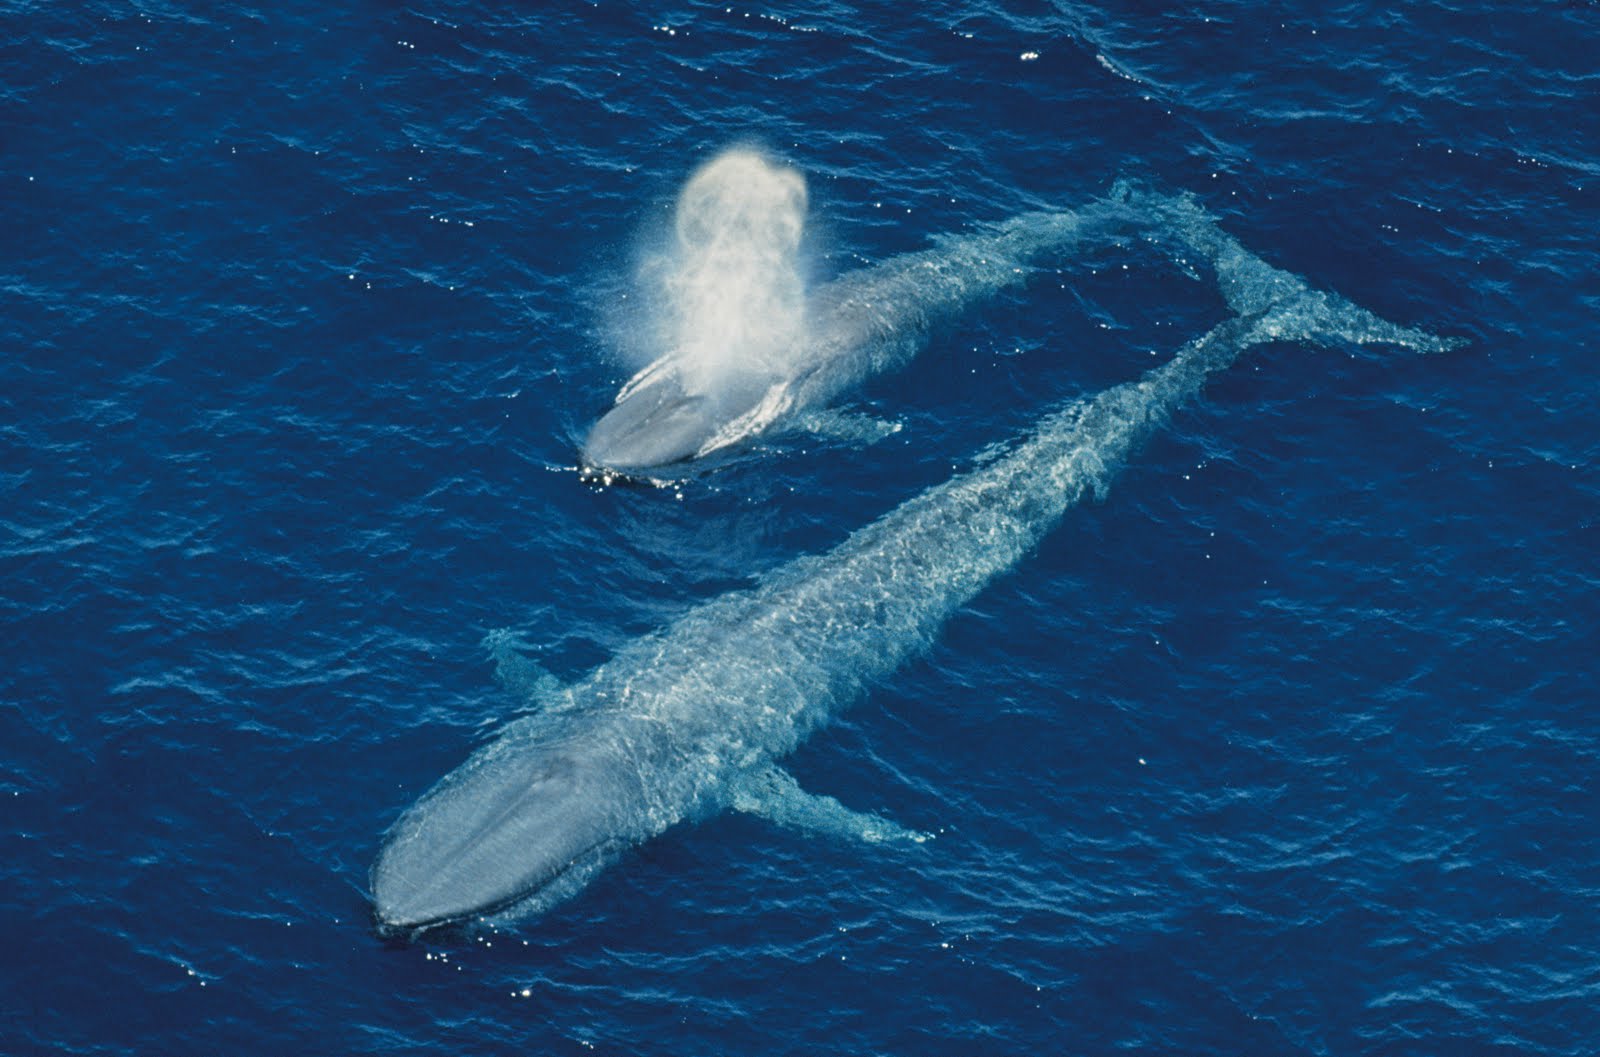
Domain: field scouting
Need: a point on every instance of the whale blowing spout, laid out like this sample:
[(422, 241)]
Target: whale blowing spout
[(693, 719), (734, 307)]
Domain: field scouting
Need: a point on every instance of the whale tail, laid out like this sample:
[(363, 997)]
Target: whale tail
[(1283, 305)]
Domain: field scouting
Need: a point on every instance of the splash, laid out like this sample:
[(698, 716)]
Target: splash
[(733, 287)]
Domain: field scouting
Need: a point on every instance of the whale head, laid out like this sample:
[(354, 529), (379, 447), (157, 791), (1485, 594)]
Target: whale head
[(667, 415), (507, 825), (649, 428)]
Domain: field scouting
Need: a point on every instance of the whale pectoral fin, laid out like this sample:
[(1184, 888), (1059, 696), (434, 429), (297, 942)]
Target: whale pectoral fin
[(856, 428), (523, 675), (772, 793)]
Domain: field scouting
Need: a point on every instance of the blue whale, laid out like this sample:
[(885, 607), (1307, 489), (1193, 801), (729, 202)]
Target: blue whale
[(864, 323), (694, 719)]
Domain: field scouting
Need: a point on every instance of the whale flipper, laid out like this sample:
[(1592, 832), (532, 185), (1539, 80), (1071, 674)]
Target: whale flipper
[(524, 675), (856, 428), (772, 793)]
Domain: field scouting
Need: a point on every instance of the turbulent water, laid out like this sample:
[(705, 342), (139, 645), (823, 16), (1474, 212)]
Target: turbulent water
[(1284, 745)]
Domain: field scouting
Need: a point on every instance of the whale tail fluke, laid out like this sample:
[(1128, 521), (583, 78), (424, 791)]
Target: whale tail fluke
[(1282, 305), (1315, 317)]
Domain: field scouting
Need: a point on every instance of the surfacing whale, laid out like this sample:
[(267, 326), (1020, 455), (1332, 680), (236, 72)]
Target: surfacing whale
[(692, 719), (864, 323)]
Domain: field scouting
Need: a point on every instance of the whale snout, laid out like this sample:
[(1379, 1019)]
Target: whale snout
[(494, 832), (648, 429), (661, 419)]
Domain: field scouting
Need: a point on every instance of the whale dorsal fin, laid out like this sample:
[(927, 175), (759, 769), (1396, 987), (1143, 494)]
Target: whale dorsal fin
[(772, 793)]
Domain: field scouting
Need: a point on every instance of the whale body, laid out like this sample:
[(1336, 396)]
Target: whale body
[(692, 719), (864, 323)]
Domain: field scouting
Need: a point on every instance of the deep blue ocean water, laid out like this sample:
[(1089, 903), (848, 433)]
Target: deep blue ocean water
[(1285, 747)]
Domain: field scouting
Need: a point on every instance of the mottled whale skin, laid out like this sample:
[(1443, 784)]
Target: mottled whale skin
[(691, 720), (865, 323)]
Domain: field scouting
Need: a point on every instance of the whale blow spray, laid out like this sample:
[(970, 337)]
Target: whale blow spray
[(734, 290), (733, 320)]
